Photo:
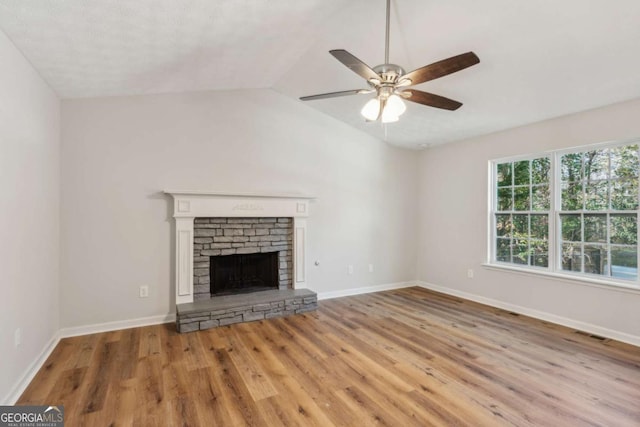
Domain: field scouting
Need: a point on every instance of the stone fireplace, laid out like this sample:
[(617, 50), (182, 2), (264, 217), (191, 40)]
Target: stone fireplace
[(239, 258), (240, 255)]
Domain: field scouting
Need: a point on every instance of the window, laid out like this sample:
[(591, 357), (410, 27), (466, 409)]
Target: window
[(572, 212), (598, 215), (522, 214)]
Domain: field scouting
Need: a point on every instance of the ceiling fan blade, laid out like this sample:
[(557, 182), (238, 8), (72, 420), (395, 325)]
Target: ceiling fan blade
[(429, 99), (355, 65), (335, 94), (441, 68)]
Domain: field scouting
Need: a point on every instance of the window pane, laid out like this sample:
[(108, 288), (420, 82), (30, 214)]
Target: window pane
[(505, 196), (503, 225), (521, 251), (595, 228), (572, 196), (503, 250), (540, 253), (624, 195), (571, 167), (521, 198), (540, 198), (540, 170), (571, 257), (624, 162), (504, 174), (624, 229), (521, 225), (596, 195), (539, 226), (595, 259), (571, 228), (624, 262), (596, 164), (521, 173)]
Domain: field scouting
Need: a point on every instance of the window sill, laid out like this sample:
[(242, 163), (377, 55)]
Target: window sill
[(581, 280)]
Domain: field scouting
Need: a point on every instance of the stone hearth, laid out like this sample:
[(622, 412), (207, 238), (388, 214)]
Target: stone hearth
[(229, 309)]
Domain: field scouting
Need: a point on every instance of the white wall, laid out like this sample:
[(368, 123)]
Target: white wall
[(29, 202), (119, 153), (453, 236)]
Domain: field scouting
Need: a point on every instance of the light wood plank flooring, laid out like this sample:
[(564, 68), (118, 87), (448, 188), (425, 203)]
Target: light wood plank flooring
[(398, 358)]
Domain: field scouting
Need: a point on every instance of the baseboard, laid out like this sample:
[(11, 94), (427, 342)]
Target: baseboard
[(364, 290), (117, 325), (542, 315), (32, 370)]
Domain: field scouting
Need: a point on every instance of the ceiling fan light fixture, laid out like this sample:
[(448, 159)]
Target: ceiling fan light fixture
[(371, 109), (395, 106), (393, 109)]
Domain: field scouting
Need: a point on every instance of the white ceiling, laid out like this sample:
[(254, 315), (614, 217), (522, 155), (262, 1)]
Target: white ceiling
[(539, 59)]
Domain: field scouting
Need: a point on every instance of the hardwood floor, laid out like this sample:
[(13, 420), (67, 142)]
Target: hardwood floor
[(397, 358)]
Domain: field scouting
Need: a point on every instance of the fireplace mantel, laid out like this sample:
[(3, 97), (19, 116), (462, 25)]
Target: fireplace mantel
[(189, 205)]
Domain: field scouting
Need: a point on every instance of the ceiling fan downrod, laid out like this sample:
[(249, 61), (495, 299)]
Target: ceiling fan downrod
[(386, 34)]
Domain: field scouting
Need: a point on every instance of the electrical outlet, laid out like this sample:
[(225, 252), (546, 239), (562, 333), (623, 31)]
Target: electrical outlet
[(17, 337), (470, 273), (370, 268), (350, 269), (144, 291)]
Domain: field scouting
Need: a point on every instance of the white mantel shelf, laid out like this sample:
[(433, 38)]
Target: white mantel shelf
[(189, 205), (238, 194)]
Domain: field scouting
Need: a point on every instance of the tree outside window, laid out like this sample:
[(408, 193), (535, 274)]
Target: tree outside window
[(585, 200)]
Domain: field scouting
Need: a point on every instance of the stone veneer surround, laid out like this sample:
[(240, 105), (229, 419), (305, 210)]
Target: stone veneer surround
[(229, 236)]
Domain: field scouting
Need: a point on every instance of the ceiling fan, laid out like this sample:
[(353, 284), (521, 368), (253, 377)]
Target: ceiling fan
[(391, 83)]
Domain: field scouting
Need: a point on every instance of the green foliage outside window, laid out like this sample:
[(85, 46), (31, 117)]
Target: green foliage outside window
[(600, 186), (523, 201), (595, 211)]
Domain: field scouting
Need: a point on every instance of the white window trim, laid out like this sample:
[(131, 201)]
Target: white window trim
[(554, 269)]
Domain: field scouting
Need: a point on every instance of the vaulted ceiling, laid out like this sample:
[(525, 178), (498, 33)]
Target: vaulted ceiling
[(539, 59)]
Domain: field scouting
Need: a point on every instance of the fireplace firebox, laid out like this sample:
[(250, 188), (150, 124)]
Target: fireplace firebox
[(243, 273)]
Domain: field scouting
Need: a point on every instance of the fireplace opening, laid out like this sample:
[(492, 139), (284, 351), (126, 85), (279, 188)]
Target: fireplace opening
[(243, 273)]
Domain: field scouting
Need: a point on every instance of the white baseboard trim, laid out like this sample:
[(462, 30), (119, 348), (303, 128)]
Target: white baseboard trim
[(117, 325), (542, 315), (32, 370), (363, 290)]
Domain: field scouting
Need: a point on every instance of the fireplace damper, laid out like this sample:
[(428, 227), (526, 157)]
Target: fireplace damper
[(235, 274)]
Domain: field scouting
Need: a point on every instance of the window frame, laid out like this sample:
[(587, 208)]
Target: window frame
[(529, 212), (554, 265)]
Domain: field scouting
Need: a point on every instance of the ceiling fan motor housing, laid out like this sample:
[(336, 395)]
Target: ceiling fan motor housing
[(390, 73)]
